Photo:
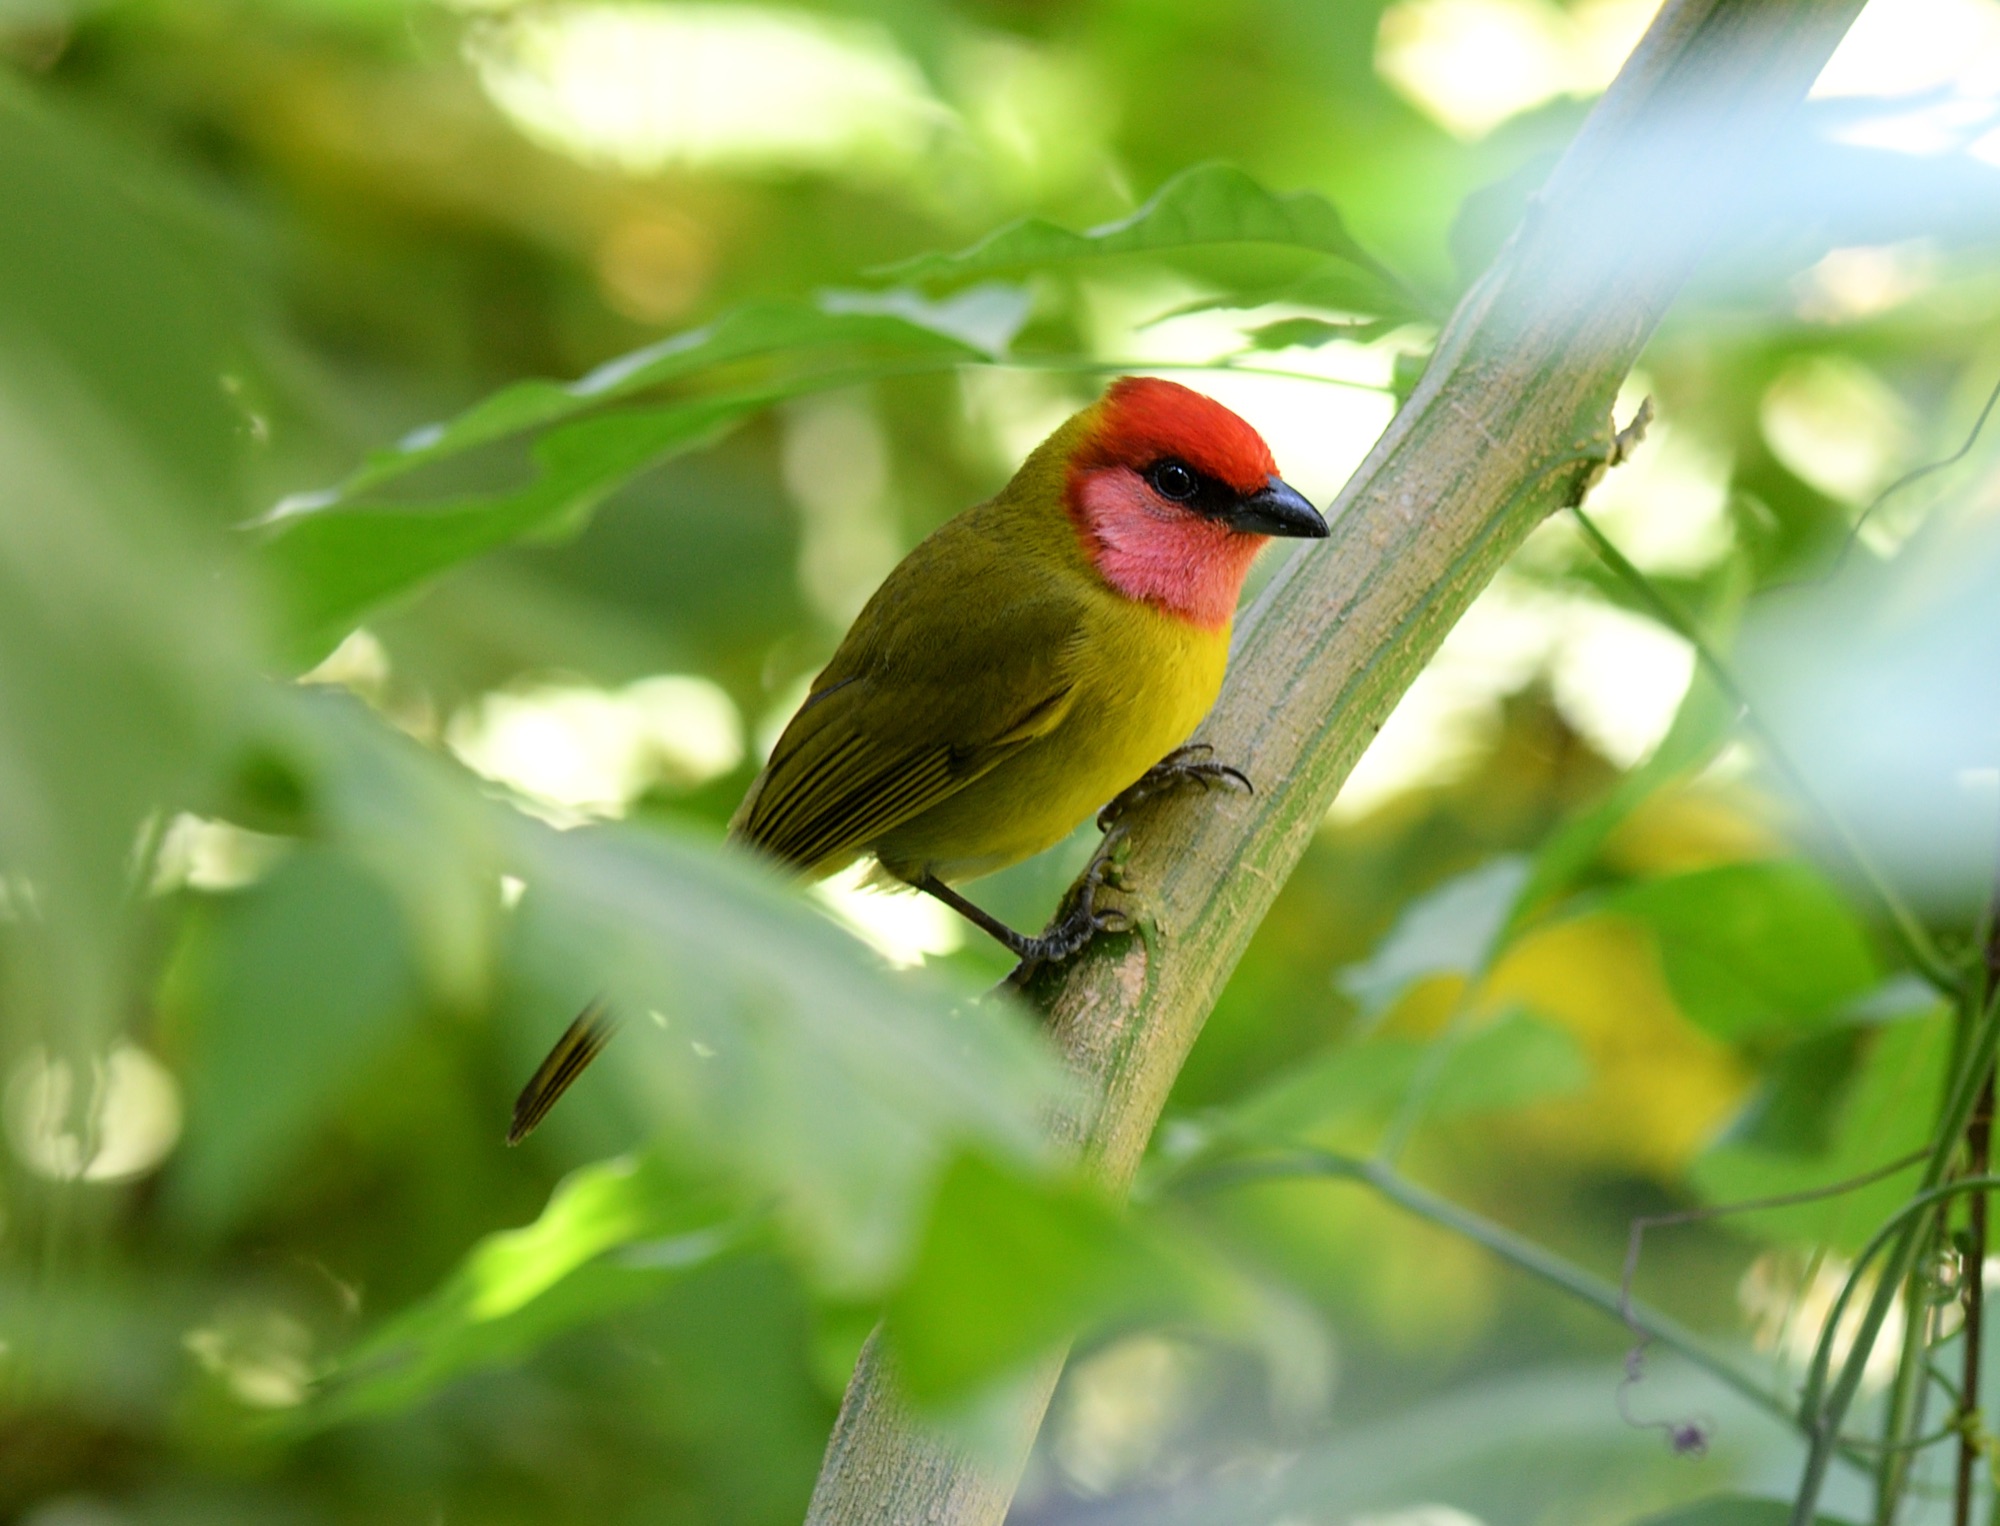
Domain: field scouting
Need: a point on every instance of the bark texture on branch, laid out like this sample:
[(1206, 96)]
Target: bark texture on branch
[(1523, 379)]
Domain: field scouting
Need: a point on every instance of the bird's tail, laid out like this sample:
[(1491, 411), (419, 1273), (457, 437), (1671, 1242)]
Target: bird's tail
[(584, 1039), (581, 1043)]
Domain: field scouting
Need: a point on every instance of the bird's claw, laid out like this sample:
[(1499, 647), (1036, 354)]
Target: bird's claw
[(1067, 936), (1079, 920), (1183, 766)]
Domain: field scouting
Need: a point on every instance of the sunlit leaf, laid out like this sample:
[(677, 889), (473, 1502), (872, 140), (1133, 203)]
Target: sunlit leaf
[(340, 553), (1210, 204), (771, 1049), (1332, 286), (840, 332), (339, 561), (763, 1040), (613, 1235), (1210, 207), (1751, 949)]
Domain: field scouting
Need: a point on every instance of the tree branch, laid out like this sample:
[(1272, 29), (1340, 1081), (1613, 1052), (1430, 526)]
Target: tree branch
[(1523, 378)]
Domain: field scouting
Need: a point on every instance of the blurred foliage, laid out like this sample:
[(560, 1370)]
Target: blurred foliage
[(443, 439)]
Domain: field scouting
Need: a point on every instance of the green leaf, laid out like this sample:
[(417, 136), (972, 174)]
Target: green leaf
[(1311, 333), (839, 333), (126, 648), (771, 1046), (777, 1057), (1453, 930), (341, 553), (1731, 1510), (338, 560), (1753, 949), (417, 823), (1212, 206), (1010, 1267), (1878, 1108), (289, 989), (613, 1235), (1509, 1063), (1793, 1111), (766, 1044), (1331, 287)]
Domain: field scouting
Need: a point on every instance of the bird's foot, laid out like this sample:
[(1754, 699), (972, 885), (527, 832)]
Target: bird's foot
[(1178, 769), (1076, 922), (1079, 919)]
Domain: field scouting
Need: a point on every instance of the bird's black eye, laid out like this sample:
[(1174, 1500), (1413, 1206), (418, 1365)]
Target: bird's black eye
[(1172, 480)]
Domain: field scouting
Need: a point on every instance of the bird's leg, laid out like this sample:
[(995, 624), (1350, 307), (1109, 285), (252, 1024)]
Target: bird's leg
[(1078, 919), (1075, 924), (931, 885), (1183, 766)]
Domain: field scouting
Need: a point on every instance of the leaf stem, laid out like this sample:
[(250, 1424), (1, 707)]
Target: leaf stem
[(1820, 1412), (1972, 1081), (1908, 479), (1904, 1412), (1515, 1249), (1978, 1140), (1979, 1154)]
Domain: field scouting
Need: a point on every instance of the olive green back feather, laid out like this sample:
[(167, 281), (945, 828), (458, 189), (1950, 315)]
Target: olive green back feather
[(962, 657)]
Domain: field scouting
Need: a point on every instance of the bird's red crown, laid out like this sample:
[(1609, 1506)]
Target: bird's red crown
[(1144, 418)]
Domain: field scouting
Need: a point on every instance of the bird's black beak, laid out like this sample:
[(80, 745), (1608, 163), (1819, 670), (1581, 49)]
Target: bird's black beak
[(1276, 509)]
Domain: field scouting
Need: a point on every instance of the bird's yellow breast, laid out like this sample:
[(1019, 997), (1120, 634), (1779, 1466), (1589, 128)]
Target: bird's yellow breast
[(1142, 680)]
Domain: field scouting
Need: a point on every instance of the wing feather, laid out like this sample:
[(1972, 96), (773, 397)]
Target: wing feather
[(937, 682)]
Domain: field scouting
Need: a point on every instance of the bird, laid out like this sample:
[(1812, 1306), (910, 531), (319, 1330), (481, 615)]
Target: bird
[(1042, 656)]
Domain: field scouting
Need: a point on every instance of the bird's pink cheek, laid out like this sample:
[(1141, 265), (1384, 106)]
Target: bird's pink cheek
[(1164, 556)]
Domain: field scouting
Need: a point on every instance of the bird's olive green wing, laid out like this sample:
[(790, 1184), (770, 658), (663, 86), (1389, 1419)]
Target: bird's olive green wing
[(938, 681), (921, 698)]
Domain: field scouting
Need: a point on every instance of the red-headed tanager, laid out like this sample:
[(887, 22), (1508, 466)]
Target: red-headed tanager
[(1031, 660)]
